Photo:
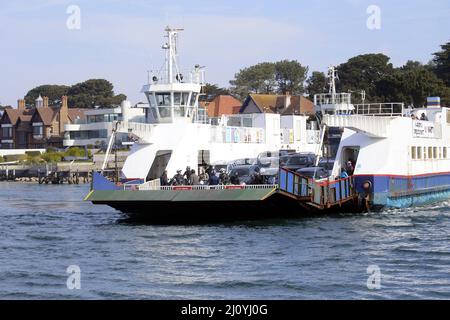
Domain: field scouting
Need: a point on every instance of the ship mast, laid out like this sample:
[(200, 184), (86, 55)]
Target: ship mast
[(171, 54)]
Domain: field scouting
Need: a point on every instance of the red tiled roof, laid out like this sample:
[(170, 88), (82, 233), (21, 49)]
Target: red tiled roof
[(13, 115), (222, 104), (46, 114)]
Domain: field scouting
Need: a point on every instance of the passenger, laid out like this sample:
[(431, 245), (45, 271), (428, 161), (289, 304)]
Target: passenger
[(164, 180), (194, 179), (413, 116), (223, 177), (344, 174), (234, 179), (187, 174), (203, 177), (177, 179), (350, 168), (213, 179), (423, 117), (256, 177)]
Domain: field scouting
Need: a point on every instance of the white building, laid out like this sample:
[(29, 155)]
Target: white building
[(97, 128)]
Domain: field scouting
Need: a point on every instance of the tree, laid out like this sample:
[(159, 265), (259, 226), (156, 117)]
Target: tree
[(212, 90), (259, 78), (442, 63), (53, 92), (290, 76), (93, 92), (316, 84), (363, 72), (412, 84)]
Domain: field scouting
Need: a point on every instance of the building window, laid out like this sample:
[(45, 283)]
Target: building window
[(6, 132), (38, 130)]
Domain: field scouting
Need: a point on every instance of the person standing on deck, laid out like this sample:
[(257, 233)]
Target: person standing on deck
[(213, 179), (164, 180), (350, 168), (194, 179)]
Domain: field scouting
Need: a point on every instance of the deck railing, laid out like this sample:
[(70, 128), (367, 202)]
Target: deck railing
[(154, 186), (380, 109)]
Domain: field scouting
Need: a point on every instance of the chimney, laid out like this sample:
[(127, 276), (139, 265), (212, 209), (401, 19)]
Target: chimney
[(287, 100), (21, 104), (63, 114), (45, 102)]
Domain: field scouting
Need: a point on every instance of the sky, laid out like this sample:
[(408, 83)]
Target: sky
[(120, 40)]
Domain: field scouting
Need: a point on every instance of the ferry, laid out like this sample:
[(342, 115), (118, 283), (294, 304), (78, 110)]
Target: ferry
[(399, 156)]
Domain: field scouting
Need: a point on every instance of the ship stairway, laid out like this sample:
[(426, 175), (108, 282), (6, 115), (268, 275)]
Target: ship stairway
[(374, 126), (323, 194)]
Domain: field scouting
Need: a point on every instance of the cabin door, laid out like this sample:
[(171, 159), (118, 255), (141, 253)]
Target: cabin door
[(159, 164), (350, 154)]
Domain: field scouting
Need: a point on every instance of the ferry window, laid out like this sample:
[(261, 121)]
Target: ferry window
[(178, 111), (177, 98), (413, 153), (184, 98), (163, 99), (193, 98), (152, 100), (430, 152), (439, 153), (164, 112), (435, 155), (419, 152)]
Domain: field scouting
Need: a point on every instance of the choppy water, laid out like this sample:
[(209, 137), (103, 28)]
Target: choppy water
[(44, 229)]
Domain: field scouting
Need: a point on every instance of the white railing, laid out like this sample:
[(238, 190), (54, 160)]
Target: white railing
[(155, 186), (221, 134), (380, 109), (329, 98)]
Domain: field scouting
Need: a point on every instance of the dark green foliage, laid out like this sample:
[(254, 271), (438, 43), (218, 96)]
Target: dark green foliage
[(316, 84), (441, 63), (53, 92), (268, 77), (87, 94)]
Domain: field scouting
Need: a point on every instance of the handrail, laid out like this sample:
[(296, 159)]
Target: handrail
[(156, 187)]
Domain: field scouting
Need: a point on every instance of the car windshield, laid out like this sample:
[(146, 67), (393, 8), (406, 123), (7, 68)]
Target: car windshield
[(297, 161), (327, 164), (240, 171), (269, 162)]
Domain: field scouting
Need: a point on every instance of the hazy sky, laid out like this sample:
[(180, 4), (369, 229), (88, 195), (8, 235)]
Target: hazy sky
[(120, 40)]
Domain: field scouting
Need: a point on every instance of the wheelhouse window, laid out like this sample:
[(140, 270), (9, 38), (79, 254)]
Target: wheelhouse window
[(163, 99), (193, 98)]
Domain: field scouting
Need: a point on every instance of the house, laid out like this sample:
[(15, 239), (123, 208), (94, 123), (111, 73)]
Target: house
[(221, 105), (280, 104), (40, 126)]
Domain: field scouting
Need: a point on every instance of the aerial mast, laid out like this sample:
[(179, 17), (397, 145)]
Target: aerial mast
[(172, 53)]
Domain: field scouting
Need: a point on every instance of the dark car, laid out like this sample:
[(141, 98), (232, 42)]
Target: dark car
[(327, 164), (299, 161), (316, 173), (246, 174)]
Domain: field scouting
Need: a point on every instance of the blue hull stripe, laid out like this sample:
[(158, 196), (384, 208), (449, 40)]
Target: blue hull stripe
[(401, 192)]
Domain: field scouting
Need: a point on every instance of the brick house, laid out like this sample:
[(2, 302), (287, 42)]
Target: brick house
[(41, 126), (281, 104), (221, 105)]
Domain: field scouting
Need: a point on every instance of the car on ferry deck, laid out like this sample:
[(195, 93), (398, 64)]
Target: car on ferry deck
[(316, 173), (299, 161)]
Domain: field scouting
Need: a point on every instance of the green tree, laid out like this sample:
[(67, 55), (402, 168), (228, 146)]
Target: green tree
[(316, 84), (412, 84), (441, 63), (260, 78), (363, 72), (53, 92), (290, 76), (93, 92), (212, 90)]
